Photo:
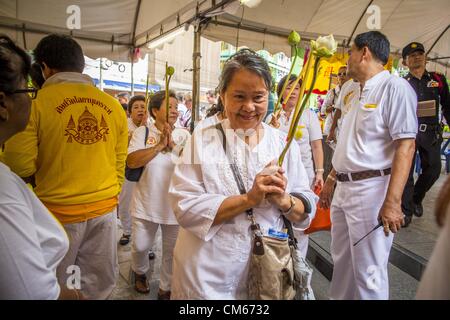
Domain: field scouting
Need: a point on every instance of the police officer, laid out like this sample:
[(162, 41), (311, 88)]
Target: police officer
[(432, 90)]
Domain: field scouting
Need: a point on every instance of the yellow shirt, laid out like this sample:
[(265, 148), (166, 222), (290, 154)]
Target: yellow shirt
[(76, 145)]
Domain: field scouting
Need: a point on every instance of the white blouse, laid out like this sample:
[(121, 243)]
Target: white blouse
[(150, 200), (210, 262), (32, 243)]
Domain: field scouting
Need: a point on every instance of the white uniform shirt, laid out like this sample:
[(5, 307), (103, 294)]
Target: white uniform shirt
[(150, 199), (330, 99), (310, 126), (385, 111), (210, 262), (32, 243), (349, 91)]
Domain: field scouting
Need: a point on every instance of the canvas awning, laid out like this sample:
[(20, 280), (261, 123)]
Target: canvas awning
[(109, 28)]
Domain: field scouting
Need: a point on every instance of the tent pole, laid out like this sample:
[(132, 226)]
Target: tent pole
[(437, 39), (357, 24), (132, 76), (196, 79), (101, 75)]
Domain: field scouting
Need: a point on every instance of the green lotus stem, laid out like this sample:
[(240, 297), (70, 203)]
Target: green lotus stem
[(277, 105), (167, 77), (299, 114)]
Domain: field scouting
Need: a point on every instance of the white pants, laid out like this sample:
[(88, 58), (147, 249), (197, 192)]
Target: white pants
[(124, 205), (93, 248), (360, 272), (144, 233)]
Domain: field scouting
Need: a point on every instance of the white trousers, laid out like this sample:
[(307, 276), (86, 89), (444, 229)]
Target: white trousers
[(360, 272), (93, 249), (124, 205), (144, 233)]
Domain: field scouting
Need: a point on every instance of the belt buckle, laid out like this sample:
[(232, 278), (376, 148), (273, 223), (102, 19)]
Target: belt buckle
[(423, 127)]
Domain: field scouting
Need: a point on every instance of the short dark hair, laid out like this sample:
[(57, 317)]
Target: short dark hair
[(123, 94), (36, 75), (248, 59), (60, 52), (283, 80), (133, 100), (157, 99), (12, 73), (377, 43)]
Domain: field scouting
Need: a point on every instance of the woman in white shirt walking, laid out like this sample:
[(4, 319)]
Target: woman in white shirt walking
[(150, 207), (212, 252)]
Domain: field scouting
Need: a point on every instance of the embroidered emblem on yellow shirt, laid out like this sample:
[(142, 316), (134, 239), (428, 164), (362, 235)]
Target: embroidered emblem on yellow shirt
[(347, 97), (87, 131), (370, 106)]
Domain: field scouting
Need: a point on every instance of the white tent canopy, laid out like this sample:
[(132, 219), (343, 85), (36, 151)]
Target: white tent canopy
[(402, 21), (107, 28), (111, 28)]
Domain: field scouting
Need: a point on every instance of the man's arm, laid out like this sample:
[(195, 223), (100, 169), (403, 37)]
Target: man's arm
[(332, 134), (391, 212)]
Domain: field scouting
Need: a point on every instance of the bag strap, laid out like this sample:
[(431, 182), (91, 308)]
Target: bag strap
[(292, 239), (146, 136)]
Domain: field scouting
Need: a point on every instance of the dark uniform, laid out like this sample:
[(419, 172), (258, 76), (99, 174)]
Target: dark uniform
[(432, 91)]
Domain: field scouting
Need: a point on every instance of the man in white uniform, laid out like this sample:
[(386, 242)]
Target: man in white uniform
[(372, 161)]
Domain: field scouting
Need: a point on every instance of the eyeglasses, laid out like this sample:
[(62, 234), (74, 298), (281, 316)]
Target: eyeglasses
[(31, 91)]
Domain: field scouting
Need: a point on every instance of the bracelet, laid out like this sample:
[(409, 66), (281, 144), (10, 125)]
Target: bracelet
[(331, 178), (289, 211), (320, 170)]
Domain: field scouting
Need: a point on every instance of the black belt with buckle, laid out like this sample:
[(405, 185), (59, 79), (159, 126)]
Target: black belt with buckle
[(362, 175), (423, 127)]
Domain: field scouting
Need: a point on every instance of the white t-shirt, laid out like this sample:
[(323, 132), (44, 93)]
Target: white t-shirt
[(132, 126), (310, 125), (150, 195), (32, 243), (384, 112)]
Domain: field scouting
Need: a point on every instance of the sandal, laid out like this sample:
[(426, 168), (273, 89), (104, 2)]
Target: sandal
[(163, 295), (125, 239), (141, 283)]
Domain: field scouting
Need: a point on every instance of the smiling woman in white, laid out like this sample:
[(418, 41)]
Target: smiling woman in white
[(213, 248), (150, 207)]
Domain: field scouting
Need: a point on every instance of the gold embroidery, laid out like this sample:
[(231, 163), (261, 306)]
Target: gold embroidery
[(347, 97), (87, 131)]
